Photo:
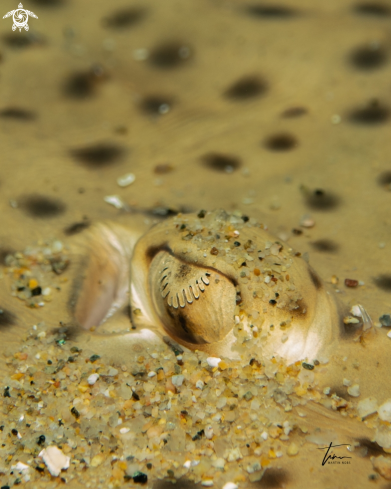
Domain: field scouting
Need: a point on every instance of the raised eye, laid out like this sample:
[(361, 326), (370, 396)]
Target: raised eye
[(195, 304)]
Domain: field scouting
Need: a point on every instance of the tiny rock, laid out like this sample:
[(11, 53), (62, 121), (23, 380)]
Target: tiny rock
[(292, 450), (213, 361), (54, 459), (92, 379), (382, 465), (385, 320)]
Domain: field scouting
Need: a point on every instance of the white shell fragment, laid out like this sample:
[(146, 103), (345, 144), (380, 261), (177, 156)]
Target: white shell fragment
[(213, 361), (115, 201), (367, 407), (354, 390), (126, 180), (92, 379), (385, 411), (54, 459), (177, 380)]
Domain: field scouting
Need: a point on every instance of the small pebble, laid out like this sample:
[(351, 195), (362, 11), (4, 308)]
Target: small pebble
[(230, 485), (385, 320), (356, 311), (307, 221), (54, 459), (292, 450), (354, 390), (213, 361), (124, 430), (177, 380), (126, 180), (92, 379), (349, 282), (115, 201)]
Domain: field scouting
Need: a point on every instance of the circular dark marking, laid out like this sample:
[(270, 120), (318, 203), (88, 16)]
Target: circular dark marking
[(281, 142), (221, 162), (383, 281), (17, 113), (374, 9), (294, 112), (42, 206), (7, 318), (4, 252), (98, 155), (384, 179), (18, 41), (245, 88), (272, 12), (325, 245), (169, 55), (76, 228), (127, 17), (374, 113), (82, 84), (321, 200), (272, 479), (156, 105), (368, 58)]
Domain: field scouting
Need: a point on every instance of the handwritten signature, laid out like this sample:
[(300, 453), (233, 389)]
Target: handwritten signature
[(332, 456)]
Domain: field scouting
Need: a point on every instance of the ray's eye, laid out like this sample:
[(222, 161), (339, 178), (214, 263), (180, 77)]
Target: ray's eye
[(195, 304)]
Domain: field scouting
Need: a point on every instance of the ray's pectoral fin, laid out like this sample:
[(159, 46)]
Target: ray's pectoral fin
[(103, 283)]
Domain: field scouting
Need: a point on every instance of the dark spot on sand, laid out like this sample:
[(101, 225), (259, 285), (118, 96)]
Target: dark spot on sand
[(42, 206), (127, 17), (372, 448), (156, 104), (321, 200), (19, 40), (293, 112), (372, 114), (315, 278), (300, 309), (246, 88), (98, 155), (7, 318), (281, 142), (221, 162), (17, 113), (340, 392), (383, 281), (76, 227), (373, 9), (67, 332), (325, 245), (270, 11), (169, 55), (384, 179), (82, 84), (368, 57), (4, 252), (272, 479)]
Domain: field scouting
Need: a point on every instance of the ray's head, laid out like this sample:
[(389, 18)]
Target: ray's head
[(215, 281)]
